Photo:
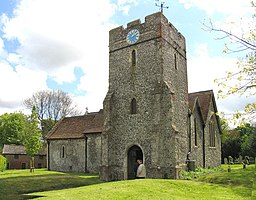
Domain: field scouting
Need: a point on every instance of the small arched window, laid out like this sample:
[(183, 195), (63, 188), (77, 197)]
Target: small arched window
[(133, 57), (63, 152), (133, 106)]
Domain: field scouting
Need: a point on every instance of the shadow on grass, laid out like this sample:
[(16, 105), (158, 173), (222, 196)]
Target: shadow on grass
[(32, 197), (17, 187)]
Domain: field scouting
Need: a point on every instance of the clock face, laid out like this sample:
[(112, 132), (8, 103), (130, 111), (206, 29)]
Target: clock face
[(133, 36)]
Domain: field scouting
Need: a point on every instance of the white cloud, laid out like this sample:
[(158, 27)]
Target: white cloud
[(18, 84), (57, 34), (227, 7), (203, 68), (13, 58), (1, 45), (125, 5), (55, 37)]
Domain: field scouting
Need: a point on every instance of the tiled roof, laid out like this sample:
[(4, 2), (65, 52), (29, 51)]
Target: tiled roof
[(75, 127), (18, 149), (204, 98)]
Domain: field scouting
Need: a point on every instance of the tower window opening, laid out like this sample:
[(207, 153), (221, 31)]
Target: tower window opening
[(133, 57), (175, 61), (133, 106)]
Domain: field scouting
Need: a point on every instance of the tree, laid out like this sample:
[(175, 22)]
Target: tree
[(241, 81), (31, 137), (231, 144), (248, 136), (239, 141), (12, 127), (51, 106), (249, 146)]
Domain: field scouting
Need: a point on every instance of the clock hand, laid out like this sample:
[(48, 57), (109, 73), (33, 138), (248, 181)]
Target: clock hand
[(134, 34)]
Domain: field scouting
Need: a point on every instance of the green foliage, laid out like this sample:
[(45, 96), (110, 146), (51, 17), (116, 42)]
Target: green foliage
[(248, 138), (31, 138), (248, 147), (239, 141), (231, 144), (199, 172), (12, 127), (3, 163)]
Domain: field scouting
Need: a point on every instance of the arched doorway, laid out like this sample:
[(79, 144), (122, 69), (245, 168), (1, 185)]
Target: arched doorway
[(134, 153)]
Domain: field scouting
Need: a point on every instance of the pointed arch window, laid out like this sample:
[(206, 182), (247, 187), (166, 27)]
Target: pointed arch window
[(195, 130), (133, 106), (212, 132), (133, 57)]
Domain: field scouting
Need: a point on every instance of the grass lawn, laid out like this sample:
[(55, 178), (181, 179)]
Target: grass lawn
[(209, 184)]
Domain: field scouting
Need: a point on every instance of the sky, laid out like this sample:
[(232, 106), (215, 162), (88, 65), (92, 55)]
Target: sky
[(63, 44)]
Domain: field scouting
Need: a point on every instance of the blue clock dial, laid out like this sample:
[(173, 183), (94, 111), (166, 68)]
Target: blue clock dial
[(133, 36)]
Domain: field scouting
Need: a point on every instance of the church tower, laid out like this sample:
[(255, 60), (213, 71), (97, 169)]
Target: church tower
[(146, 107)]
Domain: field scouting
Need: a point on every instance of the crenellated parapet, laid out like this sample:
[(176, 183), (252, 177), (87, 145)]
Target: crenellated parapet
[(156, 26)]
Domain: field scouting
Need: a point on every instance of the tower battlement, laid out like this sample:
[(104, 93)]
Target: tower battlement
[(155, 26)]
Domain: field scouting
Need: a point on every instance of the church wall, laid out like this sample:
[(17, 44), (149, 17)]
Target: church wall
[(212, 154), (93, 152), (73, 158), (197, 139), (175, 77)]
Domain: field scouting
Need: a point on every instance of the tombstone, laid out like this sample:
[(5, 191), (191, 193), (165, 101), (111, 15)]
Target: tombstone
[(225, 161), (230, 160), (191, 165), (229, 168), (240, 159), (251, 160)]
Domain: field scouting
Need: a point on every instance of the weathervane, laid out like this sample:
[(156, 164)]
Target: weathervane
[(161, 5)]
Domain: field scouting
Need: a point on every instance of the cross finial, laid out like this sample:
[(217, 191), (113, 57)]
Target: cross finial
[(161, 5), (86, 111)]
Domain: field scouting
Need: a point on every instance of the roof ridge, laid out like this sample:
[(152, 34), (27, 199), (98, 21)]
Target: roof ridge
[(204, 91)]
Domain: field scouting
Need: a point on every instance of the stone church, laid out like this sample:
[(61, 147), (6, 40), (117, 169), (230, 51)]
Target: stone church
[(147, 112)]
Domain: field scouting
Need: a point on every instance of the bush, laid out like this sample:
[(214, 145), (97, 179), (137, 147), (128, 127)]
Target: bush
[(199, 172), (3, 163)]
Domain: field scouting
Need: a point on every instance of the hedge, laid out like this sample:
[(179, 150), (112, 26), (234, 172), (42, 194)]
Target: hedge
[(3, 163)]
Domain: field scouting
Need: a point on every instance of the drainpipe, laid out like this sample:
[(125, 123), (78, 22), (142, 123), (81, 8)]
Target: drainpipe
[(203, 146), (189, 130), (85, 154), (48, 155)]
